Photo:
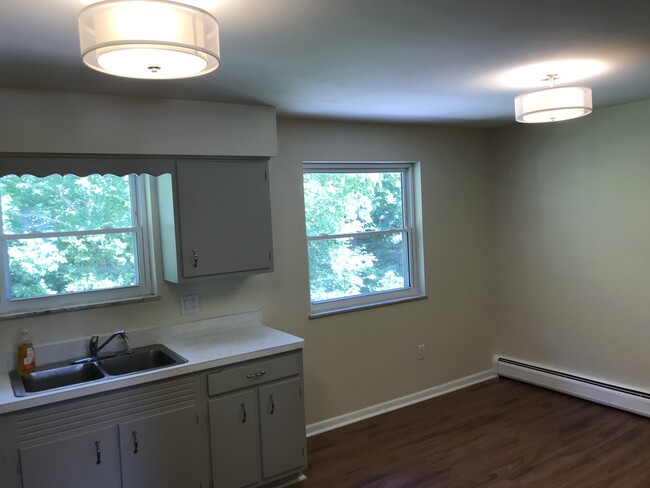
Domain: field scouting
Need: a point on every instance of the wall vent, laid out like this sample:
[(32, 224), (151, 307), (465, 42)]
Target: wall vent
[(616, 396)]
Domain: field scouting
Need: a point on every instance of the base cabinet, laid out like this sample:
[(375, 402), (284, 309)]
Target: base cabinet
[(236, 427), (282, 432), (234, 435), (150, 435), (4, 450), (160, 450), (89, 459), (257, 432)]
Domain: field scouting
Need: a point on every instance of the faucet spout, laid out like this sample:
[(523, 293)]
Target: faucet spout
[(94, 348)]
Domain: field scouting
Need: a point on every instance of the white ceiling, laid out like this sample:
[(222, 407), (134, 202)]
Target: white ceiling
[(413, 61)]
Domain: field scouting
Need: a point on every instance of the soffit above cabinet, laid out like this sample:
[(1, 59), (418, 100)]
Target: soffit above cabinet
[(53, 122)]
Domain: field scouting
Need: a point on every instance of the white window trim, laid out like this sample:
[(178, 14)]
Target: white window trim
[(91, 299), (413, 241)]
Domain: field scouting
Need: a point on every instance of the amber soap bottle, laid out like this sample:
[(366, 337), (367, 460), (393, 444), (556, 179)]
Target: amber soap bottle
[(25, 357)]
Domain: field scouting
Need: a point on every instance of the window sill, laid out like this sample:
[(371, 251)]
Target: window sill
[(354, 308), (74, 308)]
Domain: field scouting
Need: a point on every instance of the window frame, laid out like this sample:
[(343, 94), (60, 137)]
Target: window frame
[(412, 246), (141, 228)]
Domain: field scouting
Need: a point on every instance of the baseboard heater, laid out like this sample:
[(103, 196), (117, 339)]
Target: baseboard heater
[(627, 399)]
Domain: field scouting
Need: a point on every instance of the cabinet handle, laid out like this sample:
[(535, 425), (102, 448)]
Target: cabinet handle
[(252, 376), (196, 257), (135, 442), (243, 413), (271, 405), (98, 452)]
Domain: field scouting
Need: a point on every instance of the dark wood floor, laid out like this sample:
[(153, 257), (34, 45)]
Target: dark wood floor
[(500, 433)]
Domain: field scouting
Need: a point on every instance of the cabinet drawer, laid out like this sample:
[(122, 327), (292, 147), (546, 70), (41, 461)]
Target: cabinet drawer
[(253, 373)]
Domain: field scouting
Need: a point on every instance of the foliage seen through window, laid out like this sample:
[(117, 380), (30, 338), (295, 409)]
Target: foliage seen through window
[(68, 234)]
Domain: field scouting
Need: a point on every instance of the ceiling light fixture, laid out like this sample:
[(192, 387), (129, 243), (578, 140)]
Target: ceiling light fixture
[(149, 39), (553, 104)]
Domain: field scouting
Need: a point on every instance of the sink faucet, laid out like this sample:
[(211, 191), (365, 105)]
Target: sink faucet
[(94, 340)]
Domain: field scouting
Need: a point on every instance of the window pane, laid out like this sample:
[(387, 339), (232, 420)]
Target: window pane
[(54, 266), (64, 203), (346, 267), (344, 203)]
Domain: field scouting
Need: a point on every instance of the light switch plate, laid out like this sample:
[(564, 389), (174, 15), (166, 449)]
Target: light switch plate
[(190, 304)]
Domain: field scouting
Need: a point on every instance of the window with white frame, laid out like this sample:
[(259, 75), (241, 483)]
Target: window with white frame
[(361, 234), (72, 240)]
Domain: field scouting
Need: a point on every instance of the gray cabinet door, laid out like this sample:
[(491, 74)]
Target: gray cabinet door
[(282, 421), (90, 459), (4, 443), (225, 217), (161, 451), (234, 434), (3, 468)]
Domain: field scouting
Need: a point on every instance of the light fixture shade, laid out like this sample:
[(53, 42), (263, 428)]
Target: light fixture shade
[(149, 39), (553, 104)]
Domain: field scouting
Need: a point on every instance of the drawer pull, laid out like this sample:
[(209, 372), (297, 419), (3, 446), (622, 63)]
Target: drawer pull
[(195, 254), (98, 452), (253, 376), (135, 442), (243, 413)]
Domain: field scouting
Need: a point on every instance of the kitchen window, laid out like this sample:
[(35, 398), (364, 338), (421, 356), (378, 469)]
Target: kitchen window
[(72, 240), (361, 237)]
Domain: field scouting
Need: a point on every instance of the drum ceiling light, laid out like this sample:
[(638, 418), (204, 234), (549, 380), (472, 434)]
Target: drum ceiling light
[(149, 39), (553, 104)]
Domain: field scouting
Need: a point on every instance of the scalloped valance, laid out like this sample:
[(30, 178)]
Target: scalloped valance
[(84, 165)]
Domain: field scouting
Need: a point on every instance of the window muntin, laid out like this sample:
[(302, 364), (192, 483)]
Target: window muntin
[(69, 240), (360, 235)]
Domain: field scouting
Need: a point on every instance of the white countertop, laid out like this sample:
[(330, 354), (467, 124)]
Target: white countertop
[(205, 344)]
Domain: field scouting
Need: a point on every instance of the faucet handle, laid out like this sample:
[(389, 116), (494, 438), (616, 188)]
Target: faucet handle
[(92, 346)]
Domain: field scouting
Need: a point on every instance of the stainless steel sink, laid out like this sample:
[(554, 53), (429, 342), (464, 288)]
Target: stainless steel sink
[(140, 359), (86, 370), (54, 377)]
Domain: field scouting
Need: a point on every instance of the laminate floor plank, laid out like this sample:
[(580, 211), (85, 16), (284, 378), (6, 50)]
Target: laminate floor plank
[(498, 434)]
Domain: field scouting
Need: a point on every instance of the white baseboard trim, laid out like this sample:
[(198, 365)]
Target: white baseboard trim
[(595, 390), (389, 406)]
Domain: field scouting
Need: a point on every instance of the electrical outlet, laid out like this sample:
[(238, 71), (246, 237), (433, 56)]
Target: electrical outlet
[(190, 304), (422, 352)]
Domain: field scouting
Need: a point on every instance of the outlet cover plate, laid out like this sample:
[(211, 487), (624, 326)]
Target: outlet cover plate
[(190, 304)]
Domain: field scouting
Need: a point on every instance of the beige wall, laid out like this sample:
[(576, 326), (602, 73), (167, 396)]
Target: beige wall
[(572, 228), (362, 358)]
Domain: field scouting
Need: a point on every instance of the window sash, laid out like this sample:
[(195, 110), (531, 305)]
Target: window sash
[(406, 254), (143, 287), (409, 251)]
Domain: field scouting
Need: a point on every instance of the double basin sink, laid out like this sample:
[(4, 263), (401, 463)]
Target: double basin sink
[(87, 370)]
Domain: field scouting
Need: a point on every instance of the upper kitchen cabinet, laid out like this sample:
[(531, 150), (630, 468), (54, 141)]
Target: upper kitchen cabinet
[(215, 219)]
